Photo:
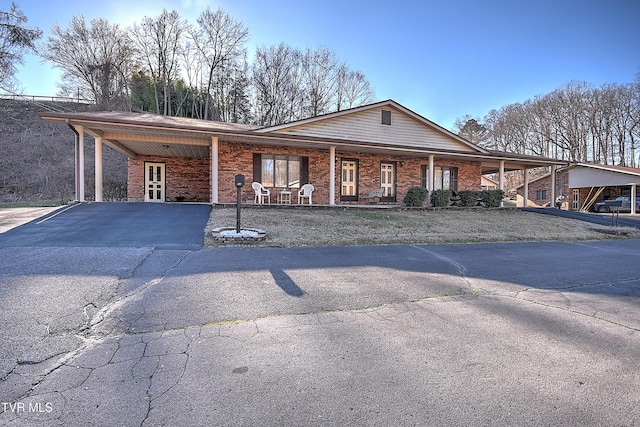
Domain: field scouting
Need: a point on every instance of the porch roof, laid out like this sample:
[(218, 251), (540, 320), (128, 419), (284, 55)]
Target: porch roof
[(142, 134)]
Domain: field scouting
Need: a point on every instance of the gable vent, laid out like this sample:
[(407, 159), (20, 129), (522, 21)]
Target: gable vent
[(386, 117)]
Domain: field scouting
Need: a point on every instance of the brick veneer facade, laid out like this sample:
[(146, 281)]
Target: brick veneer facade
[(189, 179), (186, 179)]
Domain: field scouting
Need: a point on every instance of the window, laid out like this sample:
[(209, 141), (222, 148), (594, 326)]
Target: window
[(446, 178), (541, 194), (386, 117), (280, 171)]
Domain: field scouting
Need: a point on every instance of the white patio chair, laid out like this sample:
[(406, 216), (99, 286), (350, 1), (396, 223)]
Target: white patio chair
[(261, 193), (305, 193)]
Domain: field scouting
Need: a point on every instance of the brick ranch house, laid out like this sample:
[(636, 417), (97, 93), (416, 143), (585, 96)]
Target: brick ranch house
[(580, 185), (344, 155)]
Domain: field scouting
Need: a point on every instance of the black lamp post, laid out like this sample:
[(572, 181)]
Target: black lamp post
[(239, 180)]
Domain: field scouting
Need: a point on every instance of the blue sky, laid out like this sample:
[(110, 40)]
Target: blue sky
[(442, 59)]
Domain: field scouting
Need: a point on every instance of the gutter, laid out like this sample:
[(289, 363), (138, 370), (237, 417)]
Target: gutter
[(68, 122)]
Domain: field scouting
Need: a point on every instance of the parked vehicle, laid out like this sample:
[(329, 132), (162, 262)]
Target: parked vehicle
[(608, 205)]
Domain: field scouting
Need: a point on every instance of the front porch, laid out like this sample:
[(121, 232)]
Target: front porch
[(178, 159)]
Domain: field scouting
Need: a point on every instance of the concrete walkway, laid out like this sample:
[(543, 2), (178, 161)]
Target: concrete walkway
[(15, 217)]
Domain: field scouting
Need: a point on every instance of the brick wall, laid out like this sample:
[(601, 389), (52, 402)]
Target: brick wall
[(190, 178), (535, 186), (238, 158), (186, 179)]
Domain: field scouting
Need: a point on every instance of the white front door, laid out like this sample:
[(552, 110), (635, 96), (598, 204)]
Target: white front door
[(349, 180), (388, 179), (154, 184)]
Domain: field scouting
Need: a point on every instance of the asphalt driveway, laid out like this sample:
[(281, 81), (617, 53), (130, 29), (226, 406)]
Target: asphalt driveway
[(166, 225), (500, 334), (623, 220)]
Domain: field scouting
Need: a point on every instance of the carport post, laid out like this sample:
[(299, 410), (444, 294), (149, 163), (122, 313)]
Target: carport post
[(553, 185), (98, 180), (633, 199), (214, 169), (501, 179), (432, 179), (525, 190), (332, 175), (80, 165)]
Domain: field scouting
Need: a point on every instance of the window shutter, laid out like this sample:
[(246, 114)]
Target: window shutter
[(257, 167), (423, 176), (304, 170)]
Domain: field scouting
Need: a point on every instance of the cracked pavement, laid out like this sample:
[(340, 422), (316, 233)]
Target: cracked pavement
[(479, 334)]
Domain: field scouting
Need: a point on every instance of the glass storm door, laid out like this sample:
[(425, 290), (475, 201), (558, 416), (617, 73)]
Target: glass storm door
[(349, 180), (154, 182), (388, 179)]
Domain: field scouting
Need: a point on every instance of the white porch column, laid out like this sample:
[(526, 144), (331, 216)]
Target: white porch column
[(553, 185), (525, 201), (432, 178), (501, 179), (80, 165), (98, 180), (332, 175), (76, 167), (633, 199), (214, 169)]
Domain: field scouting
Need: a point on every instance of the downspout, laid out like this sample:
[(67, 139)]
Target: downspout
[(76, 168)]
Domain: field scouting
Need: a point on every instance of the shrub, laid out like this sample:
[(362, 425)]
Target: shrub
[(440, 198), (114, 191), (415, 196), (469, 198), (492, 198)]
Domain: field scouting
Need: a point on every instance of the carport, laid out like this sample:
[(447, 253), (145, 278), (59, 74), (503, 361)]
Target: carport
[(139, 135), (589, 182), (580, 185)]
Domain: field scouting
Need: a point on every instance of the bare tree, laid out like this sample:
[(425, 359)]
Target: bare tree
[(577, 122), (193, 71), (158, 43), (96, 61), (277, 82), (15, 40), (353, 89), (470, 129), (626, 119), (634, 111), (320, 68), (219, 39)]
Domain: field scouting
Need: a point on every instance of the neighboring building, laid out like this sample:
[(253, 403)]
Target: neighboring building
[(488, 183), (580, 185), (345, 155)]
